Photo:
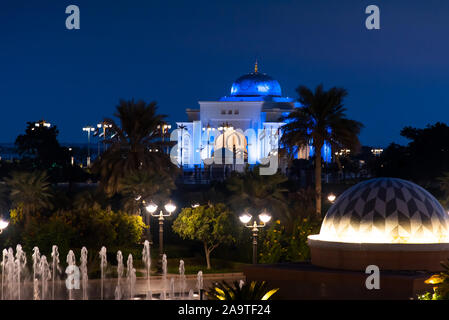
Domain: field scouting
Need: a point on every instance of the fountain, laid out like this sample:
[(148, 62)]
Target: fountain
[(131, 275), (182, 279), (172, 289), (164, 275), (199, 284), (103, 264), (10, 270), (120, 267), (83, 268), (16, 286), (5, 256), (71, 270), (21, 261), (44, 271), (147, 261), (55, 266), (36, 259)]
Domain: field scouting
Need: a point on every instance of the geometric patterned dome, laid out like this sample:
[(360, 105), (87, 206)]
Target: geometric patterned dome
[(386, 210)]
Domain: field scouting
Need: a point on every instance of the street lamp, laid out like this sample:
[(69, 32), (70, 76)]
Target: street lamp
[(331, 197), (170, 208), (103, 125), (264, 218), (3, 225), (88, 129)]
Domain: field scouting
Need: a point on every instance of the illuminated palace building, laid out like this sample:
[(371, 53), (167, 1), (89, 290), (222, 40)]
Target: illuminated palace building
[(247, 123)]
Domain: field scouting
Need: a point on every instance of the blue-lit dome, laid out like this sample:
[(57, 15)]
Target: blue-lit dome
[(256, 84)]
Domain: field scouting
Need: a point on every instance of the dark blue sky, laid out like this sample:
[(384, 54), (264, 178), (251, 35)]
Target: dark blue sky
[(179, 52)]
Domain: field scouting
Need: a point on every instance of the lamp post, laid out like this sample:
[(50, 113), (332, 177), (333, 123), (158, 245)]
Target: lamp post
[(264, 218), (88, 129), (103, 125), (169, 208)]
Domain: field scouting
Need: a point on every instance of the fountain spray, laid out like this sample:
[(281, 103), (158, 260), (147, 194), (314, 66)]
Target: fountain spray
[(83, 267), (55, 266), (5, 256), (147, 261), (172, 288), (103, 264), (71, 261), (199, 284), (21, 261), (120, 267), (182, 278), (36, 259), (131, 275), (44, 270), (164, 273)]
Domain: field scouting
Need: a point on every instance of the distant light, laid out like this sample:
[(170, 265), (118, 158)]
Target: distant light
[(195, 205), (331, 197)]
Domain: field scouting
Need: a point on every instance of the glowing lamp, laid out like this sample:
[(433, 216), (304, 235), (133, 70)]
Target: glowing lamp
[(245, 218), (3, 224), (170, 207), (331, 197), (151, 207), (264, 217)]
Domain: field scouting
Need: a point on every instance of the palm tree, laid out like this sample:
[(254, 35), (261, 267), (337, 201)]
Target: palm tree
[(134, 146), (254, 290), (142, 185), (252, 190), (321, 119), (31, 191)]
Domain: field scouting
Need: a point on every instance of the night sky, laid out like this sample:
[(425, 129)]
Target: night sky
[(179, 52)]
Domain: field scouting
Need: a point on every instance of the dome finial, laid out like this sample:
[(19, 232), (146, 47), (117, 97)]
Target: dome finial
[(256, 67)]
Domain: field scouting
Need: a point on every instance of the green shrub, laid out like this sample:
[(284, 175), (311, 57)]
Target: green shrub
[(280, 245)]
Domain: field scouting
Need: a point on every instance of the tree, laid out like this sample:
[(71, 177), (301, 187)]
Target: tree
[(252, 190), (321, 119), (423, 160), (134, 146), (39, 146), (30, 191), (211, 224), (143, 185)]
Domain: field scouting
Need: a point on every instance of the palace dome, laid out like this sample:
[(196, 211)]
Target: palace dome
[(256, 84), (385, 210)]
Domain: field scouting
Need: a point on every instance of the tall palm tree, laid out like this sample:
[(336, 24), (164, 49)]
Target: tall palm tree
[(135, 145), (31, 191), (322, 118)]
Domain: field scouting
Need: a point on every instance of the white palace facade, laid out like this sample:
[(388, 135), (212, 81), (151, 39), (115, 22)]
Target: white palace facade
[(247, 123)]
